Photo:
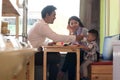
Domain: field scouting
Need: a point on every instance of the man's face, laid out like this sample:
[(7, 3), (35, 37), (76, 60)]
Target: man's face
[(51, 17)]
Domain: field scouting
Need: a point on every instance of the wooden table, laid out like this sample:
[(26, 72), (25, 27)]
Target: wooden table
[(61, 49)]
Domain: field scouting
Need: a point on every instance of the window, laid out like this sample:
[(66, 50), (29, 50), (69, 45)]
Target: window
[(65, 9), (11, 24)]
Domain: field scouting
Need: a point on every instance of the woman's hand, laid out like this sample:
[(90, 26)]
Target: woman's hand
[(71, 29)]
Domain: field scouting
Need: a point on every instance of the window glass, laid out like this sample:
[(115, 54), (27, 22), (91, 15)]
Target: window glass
[(11, 24), (65, 9)]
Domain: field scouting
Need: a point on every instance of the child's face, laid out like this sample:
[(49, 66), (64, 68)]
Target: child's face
[(74, 23), (90, 37)]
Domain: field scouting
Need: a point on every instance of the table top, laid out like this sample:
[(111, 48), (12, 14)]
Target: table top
[(61, 48), (22, 50)]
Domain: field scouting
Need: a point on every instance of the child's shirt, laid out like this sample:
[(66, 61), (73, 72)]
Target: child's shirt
[(91, 54)]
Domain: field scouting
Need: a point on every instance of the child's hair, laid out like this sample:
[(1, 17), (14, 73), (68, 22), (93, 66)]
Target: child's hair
[(76, 19), (94, 32)]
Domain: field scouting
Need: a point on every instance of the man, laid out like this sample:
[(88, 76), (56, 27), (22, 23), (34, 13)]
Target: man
[(38, 34)]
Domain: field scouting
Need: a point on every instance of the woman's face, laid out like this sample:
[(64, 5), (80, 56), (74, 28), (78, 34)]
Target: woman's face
[(74, 24)]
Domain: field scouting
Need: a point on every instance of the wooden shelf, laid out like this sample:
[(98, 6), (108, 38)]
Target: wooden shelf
[(9, 8)]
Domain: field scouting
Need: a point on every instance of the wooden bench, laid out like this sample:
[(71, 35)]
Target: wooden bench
[(101, 70)]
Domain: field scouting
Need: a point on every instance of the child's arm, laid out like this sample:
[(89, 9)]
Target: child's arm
[(87, 48)]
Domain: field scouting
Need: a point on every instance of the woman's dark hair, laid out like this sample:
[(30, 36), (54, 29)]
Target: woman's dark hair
[(47, 10), (77, 19)]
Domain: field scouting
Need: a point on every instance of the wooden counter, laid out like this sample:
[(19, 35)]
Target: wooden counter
[(15, 63)]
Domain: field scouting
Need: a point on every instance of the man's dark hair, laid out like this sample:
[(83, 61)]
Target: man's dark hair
[(94, 32), (76, 19), (47, 10)]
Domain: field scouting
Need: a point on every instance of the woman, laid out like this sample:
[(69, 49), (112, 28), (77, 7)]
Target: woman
[(75, 27)]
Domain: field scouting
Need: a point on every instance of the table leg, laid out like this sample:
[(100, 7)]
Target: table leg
[(45, 65), (78, 64)]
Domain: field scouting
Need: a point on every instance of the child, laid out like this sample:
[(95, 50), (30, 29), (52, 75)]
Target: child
[(75, 27), (91, 48)]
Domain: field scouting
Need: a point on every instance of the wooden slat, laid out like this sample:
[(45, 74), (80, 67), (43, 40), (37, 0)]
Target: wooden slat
[(101, 77), (102, 69), (9, 8)]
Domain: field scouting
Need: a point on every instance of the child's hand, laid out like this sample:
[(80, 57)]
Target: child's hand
[(89, 54), (79, 37)]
